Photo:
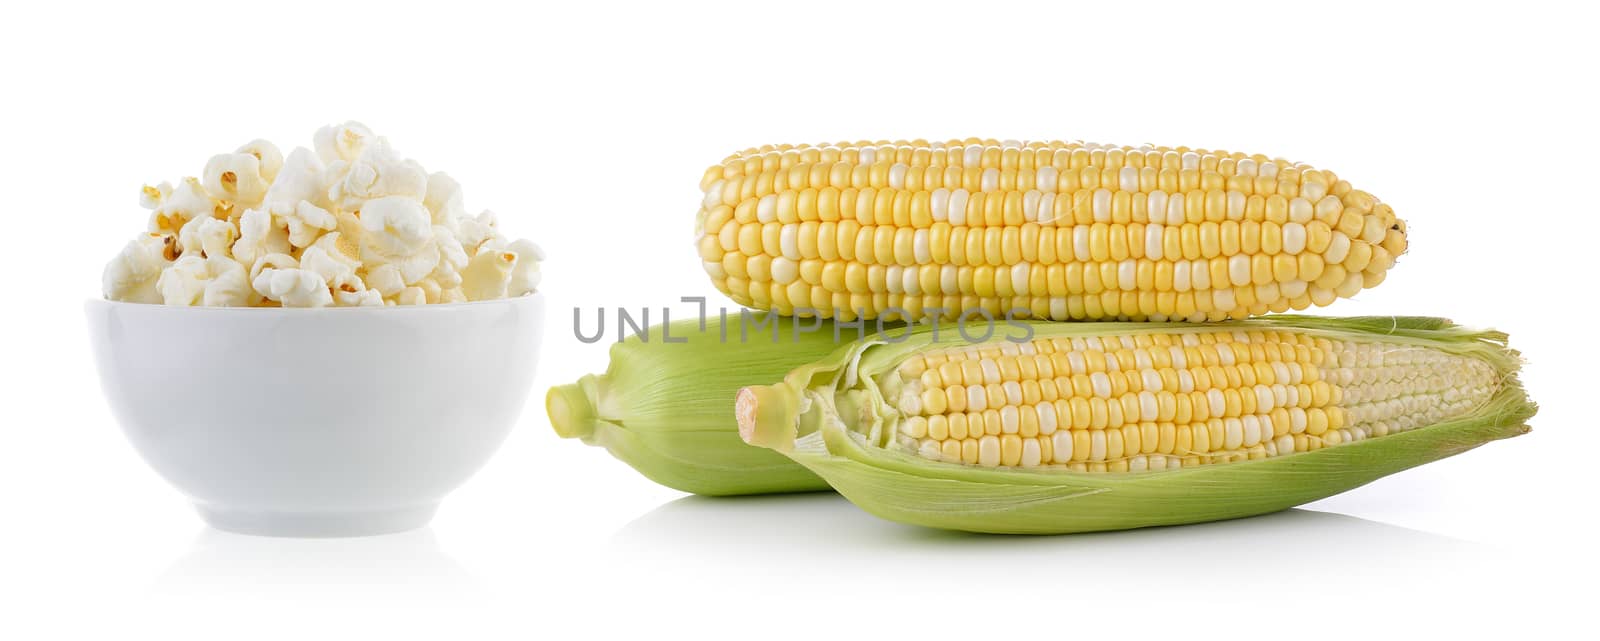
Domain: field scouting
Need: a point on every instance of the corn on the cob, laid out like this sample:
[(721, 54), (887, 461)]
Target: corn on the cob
[(1110, 426), (1065, 231), (662, 407)]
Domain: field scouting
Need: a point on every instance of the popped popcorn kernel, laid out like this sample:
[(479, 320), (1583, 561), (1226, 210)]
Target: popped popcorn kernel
[(260, 235), (131, 276), (299, 197), (452, 295), (377, 173), (452, 258), (179, 204), (229, 285), (430, 290), (444, 200), (525, 276), (211, 282), (341, 142), (267, 154), (151, 196), (306, 222), (236, 179), (329, 260), (347, 222), (293, 287), (386, 279), (488, 275), (183, 282), (207, 236), (272, 261), (474, 231), (411, 296), (399, 232), (351, 292)]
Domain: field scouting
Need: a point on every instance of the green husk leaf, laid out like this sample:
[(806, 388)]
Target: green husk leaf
[(831, 435), (666, 409)]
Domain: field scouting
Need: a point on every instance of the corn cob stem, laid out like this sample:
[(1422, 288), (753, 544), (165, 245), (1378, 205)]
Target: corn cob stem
[(763, 411), (571, 408)]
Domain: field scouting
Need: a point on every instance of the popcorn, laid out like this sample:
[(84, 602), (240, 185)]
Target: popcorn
[(473, 231), (452, 258), (452, 295), (399, 232), (435, 292), (216, 238), (132, 275), (184, 282), (259, 236), (377, 173), (411, 296), (178, 205), (386, 279), (488, 275), (306, 222), (350, 292), (212, 282), (525, 275), (328, 259), (444, 200), (236, 178), (272, 261), (349, 222), (341, 142), (229, 285), (301, 178), (267, 153), (350, 232), (293, 287), (430, 290), (207, 236), (151, 197), (299, 197)]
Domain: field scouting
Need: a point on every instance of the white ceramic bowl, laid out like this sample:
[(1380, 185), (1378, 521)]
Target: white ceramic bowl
[(317, 422)]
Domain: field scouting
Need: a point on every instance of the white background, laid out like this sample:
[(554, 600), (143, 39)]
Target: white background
[(587, 125)]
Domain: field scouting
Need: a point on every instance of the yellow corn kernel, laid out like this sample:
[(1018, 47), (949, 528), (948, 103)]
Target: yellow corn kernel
[(1118, 400), (1059, 229)]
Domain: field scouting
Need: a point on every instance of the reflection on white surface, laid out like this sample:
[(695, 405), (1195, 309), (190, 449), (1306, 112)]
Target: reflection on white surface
[(822, 535), (408, 564)]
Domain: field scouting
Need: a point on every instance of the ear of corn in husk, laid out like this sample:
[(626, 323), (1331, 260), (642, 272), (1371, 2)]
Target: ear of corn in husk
[(665, 408), (1105, 426)]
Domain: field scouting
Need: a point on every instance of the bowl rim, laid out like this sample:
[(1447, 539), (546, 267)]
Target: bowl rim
[(301, 311)]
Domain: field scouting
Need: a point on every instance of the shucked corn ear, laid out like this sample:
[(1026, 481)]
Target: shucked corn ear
[(1103, 426), (663, 407), (1066, 231)]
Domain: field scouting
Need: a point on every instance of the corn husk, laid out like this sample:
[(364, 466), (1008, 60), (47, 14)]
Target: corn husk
[(667, 408), (828, 417)]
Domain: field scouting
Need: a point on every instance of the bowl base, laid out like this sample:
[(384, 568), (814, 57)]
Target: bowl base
[(317, 524)]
